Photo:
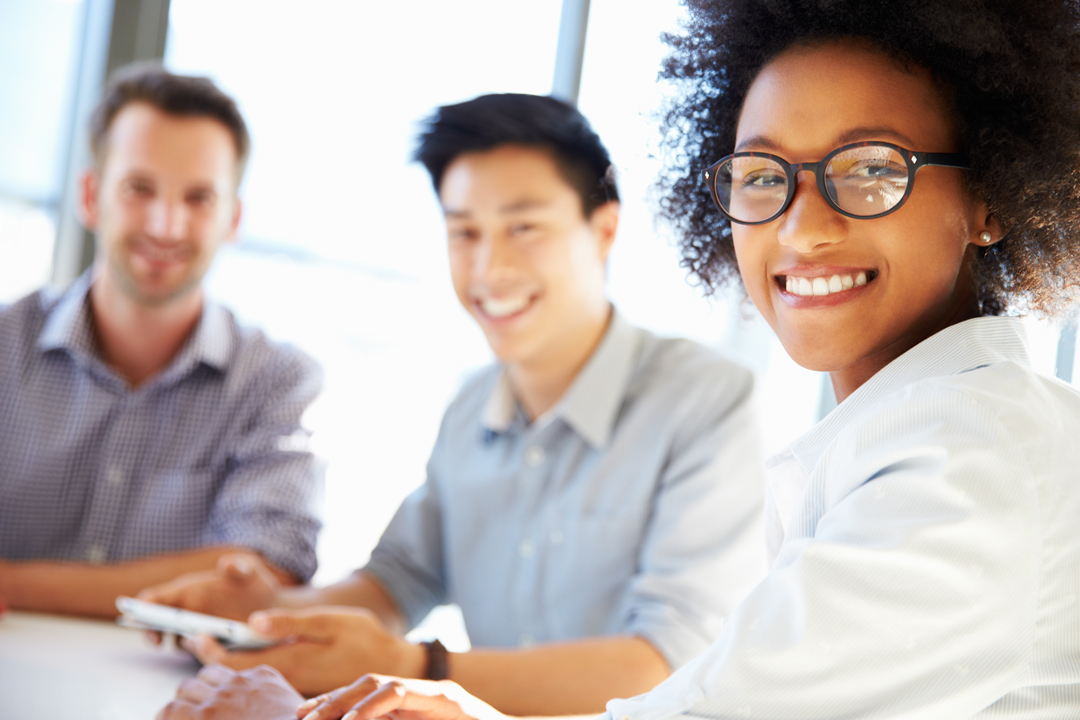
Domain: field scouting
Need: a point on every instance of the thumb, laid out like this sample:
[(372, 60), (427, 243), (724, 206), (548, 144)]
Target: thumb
[(238, 568), (304, 624)]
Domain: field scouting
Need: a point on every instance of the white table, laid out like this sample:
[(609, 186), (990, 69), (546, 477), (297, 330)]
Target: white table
[(59, 667)]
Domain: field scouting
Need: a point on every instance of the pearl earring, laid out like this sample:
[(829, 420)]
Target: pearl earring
[(986, 238)]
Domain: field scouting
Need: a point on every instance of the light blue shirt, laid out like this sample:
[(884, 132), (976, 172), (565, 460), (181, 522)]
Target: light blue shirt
[(929, 557), (633, 507), (209, 452)]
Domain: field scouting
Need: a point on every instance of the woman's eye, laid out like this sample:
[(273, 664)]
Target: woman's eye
[(521, 228), (877, 171), (764, 179)]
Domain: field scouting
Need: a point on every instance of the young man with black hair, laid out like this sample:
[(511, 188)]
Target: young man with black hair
[(594, 498), (143, 432)]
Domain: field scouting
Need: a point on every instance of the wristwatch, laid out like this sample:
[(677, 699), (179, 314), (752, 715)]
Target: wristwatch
[(438, 661)]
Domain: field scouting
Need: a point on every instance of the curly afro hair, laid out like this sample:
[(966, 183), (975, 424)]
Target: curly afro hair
[(1011, 67)]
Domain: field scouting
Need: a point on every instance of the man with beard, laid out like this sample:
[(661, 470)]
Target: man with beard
[(143, 432)]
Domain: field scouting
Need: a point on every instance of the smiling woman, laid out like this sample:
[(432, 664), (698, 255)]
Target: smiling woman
[(924, 534)]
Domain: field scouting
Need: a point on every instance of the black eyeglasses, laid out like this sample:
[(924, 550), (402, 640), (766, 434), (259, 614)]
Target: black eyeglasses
[(863, 180)]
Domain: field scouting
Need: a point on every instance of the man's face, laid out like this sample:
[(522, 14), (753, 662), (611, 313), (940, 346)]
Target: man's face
[(161, 202), (525, 262)]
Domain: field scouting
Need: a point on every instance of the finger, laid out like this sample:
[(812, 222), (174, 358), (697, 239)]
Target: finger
[(215, 675), (313, 624), (423, 698), (311, 704), (153, 637), (293, 655), (193, 690), (206, 648), (388, 697), (176, 710), (336, 703)]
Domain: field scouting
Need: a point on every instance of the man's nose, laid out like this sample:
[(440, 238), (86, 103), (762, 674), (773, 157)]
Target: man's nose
[(167, 219), (810, 223), (496, 256)]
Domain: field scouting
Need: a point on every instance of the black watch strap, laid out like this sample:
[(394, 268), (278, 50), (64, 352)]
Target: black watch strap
[(438, 661)]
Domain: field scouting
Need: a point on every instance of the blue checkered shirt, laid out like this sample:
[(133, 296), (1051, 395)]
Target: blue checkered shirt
[(210, 452)]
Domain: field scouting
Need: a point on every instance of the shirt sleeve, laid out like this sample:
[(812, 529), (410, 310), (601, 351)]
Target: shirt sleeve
[(908, 591), (269, 500), (704, 545), (408, 560)]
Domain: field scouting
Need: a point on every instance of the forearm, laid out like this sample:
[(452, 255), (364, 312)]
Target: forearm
[(360, 589), (83, 589), (574, 677)]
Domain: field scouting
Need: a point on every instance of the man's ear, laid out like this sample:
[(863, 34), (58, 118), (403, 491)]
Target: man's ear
[(87, 207), (605, 224), (238, 208)]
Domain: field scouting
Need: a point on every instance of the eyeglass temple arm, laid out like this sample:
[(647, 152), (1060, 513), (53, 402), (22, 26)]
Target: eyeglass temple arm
[(953, 160)]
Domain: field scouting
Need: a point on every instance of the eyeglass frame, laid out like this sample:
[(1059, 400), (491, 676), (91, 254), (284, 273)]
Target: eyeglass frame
[(914, 159)]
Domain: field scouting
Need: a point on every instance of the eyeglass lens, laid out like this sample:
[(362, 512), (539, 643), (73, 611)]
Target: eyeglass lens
[(863, 181)]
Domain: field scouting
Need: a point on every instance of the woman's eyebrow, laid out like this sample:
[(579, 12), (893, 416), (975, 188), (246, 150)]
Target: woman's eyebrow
[(857, 134), (873, 133), (759, 142)]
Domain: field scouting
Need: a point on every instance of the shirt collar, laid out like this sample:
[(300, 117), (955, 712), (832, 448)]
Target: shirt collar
[(69, 327), (956, 349), (593, 399)]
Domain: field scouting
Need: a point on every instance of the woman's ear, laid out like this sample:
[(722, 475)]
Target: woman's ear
[(986, 229)]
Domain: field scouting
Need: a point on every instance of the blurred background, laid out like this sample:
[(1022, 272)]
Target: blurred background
[(342, 248)]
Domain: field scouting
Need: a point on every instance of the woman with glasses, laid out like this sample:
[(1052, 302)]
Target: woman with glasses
[(890, 182)]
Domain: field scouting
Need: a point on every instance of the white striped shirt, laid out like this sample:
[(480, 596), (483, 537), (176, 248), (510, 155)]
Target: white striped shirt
[(930, 557)]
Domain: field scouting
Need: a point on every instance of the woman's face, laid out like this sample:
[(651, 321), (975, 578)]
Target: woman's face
[(805, 103)]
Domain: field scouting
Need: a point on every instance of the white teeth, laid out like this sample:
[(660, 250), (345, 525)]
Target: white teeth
[(821, 286), (503, 307)]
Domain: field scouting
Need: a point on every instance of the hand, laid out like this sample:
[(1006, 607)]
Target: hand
[(3, 603), (219, 693), (241, 584), (376, 696), (325, 648)]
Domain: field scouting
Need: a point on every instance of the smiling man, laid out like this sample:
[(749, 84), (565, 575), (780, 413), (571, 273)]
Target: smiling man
[(143, 432), (594, 498)]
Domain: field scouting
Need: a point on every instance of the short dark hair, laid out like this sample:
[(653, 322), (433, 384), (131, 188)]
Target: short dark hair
[(536, 121), (179, 95), (1009, 69)]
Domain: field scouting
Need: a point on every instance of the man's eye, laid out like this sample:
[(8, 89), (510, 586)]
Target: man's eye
[(521, 228), (200, 199), (460, 234), (139, 188)]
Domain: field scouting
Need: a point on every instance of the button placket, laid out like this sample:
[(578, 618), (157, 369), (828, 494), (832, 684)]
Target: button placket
[(535, 456)]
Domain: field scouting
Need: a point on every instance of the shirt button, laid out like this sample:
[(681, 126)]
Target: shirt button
[(534, 456), (115, 476), (526, 640), (526, 548), (556, 537), (96, 555)]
